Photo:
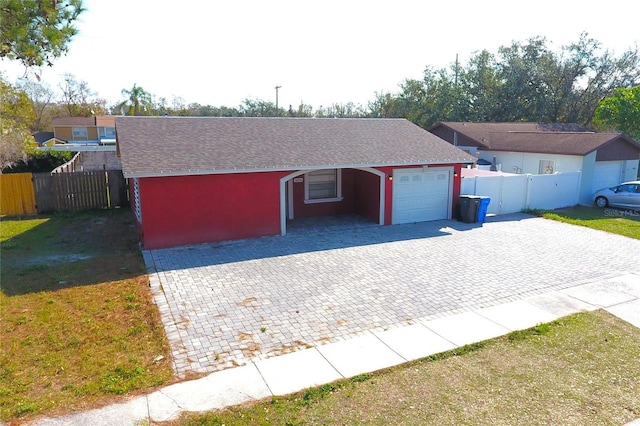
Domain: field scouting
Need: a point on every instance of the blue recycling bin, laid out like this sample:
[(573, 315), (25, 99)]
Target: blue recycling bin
[(482, 209)]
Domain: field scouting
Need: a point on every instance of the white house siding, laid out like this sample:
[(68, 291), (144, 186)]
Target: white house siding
[(594, 175), (588, 173), (525, 162), (631, 168)]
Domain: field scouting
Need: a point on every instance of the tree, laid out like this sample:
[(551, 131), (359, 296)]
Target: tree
[(335, 110), (16, 112), (257, 108), (525, 81), (481, 87), (383, 106), (44, 103), (36, 32), (79, 100), (435, 98), (521, 71), (138, 102), (303, 110), (197, 110), (620, 111), (540, 85)]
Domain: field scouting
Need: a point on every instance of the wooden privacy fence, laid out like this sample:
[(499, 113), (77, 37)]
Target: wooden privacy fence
[(79, 191), (16, 194), (45, 192)]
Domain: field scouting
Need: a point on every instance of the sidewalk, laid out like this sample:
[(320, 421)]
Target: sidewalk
[(367, 352)]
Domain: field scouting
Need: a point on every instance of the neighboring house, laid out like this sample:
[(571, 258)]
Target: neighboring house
[(94, 137), (604, 159), (47, 139), (99, 130), (204, 179)]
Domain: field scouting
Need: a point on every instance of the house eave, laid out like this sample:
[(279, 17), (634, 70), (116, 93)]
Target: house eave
[(574, 154), (175, 173)]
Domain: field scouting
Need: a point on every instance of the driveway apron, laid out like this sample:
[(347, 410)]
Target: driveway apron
[(228, 304)]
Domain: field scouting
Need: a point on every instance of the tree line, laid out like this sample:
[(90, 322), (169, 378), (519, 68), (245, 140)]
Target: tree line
[(524, 81), (580, 83)]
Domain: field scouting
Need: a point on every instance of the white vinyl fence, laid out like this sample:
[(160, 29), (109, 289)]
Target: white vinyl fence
[(514, 193)]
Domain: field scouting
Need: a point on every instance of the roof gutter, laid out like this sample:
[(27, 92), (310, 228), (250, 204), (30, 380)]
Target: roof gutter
[(164, 173)]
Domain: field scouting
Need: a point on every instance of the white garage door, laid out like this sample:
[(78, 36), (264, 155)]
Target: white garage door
[(420, 195), (607, 174)]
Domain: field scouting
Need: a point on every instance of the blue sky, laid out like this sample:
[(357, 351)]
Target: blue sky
[(220, 52)]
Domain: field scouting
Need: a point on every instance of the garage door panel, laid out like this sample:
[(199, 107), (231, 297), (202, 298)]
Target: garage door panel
[(421, 195), (607, 174)]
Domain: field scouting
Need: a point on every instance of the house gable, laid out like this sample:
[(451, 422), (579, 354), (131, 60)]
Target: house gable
[(618, 149), (455, 137)]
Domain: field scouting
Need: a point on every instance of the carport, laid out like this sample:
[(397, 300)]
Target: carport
[(359, 191)]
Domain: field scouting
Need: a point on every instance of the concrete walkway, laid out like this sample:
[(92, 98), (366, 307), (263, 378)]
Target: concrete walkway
[(600, 271)]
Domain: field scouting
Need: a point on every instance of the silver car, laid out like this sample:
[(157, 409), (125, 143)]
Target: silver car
[(626, 194)]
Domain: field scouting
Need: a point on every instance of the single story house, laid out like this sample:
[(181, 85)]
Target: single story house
[(604, 159), (47, 139), (207, 179)]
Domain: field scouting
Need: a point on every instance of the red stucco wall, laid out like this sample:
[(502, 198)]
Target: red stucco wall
[(388, 192), (367, 195), (457, 182), (195, 209), (181, 210)]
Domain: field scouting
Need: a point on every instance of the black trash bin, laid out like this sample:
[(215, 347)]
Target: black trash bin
[(468, 208)]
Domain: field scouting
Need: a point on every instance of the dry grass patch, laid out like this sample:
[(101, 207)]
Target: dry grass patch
[(579, 370), (78, 325)]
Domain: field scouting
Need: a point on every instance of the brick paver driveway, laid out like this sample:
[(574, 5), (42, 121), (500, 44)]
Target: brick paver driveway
[(229, 303)]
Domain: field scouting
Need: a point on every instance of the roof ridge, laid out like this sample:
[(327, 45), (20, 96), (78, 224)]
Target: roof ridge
[(550, 132)]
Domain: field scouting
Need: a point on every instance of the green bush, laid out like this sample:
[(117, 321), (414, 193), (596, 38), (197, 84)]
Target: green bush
[(40, 162)]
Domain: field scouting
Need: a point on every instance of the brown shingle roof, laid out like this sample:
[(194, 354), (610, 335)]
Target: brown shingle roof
[(158, 146), (99, 120), (550, 143), (480, 129), (73, 121), (552, 138)]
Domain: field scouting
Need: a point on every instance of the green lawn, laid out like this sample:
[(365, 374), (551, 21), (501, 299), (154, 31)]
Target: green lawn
[(615, 221), (78, 326)]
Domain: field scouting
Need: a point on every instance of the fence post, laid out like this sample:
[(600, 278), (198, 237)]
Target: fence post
[(527, 201), (501, 192)]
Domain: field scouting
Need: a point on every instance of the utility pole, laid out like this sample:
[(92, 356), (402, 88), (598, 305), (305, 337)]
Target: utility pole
[(277, 87), (456, 75)]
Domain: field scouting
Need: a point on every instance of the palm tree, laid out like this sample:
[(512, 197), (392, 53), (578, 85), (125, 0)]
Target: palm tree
[(138, 101)]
